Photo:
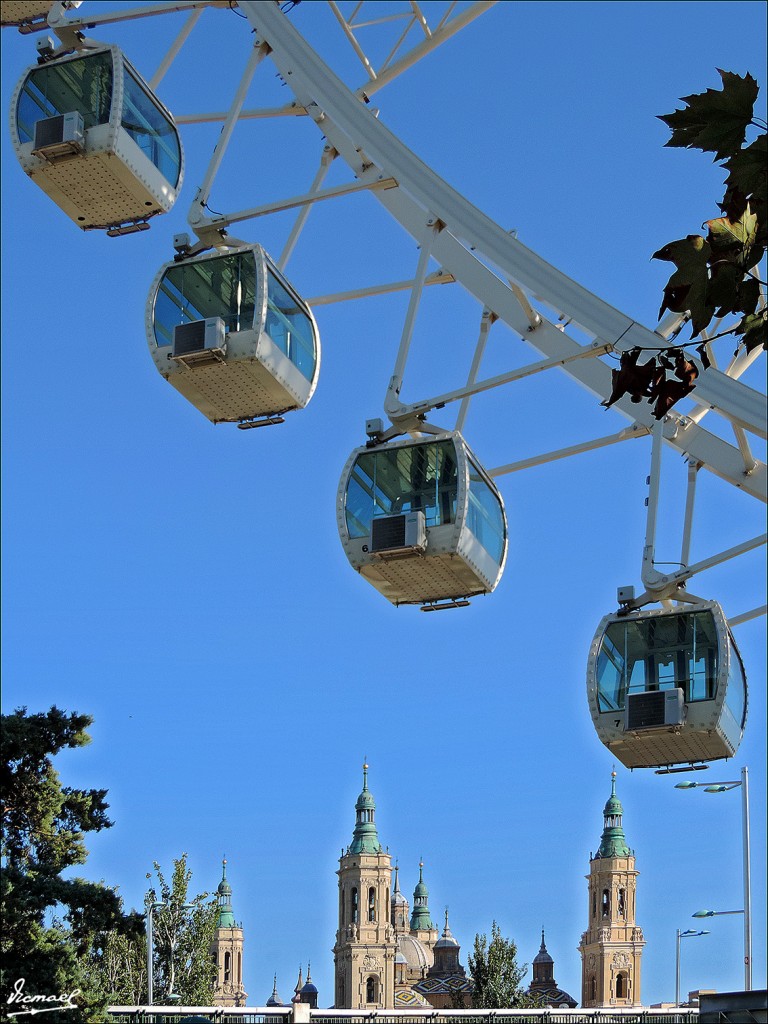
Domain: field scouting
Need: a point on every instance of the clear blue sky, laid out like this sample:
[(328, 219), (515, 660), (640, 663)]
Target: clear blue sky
[(185, 584)]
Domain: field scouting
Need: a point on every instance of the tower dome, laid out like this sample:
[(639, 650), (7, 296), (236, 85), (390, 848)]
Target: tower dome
[(365, 838), (420, 919), (224, 900), (613, 842)]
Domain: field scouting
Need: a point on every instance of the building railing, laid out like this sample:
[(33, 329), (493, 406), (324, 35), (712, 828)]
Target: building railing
[(302, 1014)]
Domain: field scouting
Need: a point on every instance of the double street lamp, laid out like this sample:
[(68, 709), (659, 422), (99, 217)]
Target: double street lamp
[(689, 933), (152, 908), (724, 787)]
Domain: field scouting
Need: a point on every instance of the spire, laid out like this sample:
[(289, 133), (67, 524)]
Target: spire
[(224, 900), (365, 838), (299, 986), (543, 965), (397, 897), (420, 919), (613, 842), (543, 955), (274, 999), (446, 939)]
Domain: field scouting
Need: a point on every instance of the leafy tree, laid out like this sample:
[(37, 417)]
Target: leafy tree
[(117, 967), (183, 932), (497, 976), (714, 276), (49, 922)]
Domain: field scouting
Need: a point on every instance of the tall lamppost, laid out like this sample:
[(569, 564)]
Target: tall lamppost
[(152, 907), (689, 933), (724, 787)]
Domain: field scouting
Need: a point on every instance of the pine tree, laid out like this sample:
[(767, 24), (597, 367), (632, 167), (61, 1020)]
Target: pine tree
[(50, 922)]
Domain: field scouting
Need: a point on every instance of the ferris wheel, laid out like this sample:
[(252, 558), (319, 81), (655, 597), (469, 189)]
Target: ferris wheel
[(419, 517)]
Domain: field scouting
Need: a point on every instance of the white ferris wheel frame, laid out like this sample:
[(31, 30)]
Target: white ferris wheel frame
[(509, 281)]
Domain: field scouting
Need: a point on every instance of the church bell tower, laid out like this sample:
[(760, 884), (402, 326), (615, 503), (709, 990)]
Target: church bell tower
[(364, 954), (612, 945), (227, 949)]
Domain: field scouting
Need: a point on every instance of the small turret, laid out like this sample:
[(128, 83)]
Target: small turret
[(420, 919)]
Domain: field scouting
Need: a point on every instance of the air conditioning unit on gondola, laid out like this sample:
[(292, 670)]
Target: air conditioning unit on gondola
[(402, 533), (655, 709), (200, 342), (62, 135)]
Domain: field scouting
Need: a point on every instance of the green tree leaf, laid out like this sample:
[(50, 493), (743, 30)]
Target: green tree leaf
[(748, 170), (755, 330), (716, 120), (687, 287), (734, 236)]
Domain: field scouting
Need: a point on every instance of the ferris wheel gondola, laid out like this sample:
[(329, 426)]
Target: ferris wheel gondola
[(667, 687), (229, 332), (422, 521), (91, 133)]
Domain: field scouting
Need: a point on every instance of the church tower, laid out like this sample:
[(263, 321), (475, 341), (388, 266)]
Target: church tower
[(612, 945), (227, 949), (364, 953)]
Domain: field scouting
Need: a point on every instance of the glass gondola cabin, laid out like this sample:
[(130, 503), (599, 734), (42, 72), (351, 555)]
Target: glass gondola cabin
[(232, 336), (667, 687), (422, 521), (89, 131)]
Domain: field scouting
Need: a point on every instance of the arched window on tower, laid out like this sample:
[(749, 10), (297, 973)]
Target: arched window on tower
[(354, 906), (593, 988), (606, 903), (622, 903), (239, 968), (227, 966), (621, 985), (371, 990), (371, 904), (594, 903)]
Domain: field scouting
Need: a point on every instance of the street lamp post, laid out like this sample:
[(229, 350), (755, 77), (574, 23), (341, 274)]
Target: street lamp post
[(151, 908), (724, 787), (689, 933)]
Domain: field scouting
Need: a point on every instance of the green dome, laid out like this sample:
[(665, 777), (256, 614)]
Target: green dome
[(224, 900), (365, 838), (613, 805), (613, 842), (365, 800), (420, 919)]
